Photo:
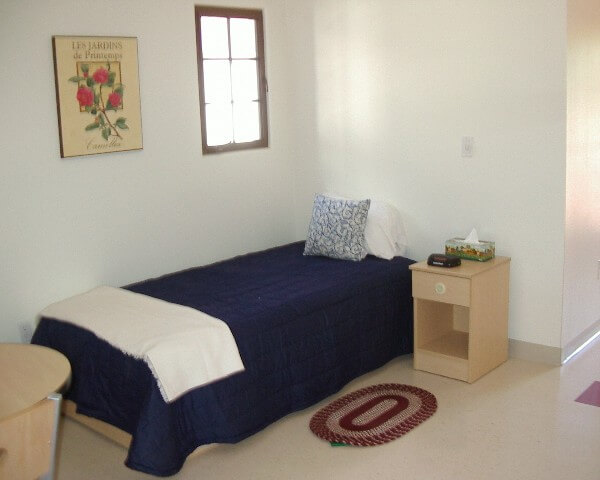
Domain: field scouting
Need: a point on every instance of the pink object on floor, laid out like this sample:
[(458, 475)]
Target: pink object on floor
[(591, 396)]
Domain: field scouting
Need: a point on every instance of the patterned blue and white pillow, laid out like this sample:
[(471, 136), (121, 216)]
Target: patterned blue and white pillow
[(337, 228)]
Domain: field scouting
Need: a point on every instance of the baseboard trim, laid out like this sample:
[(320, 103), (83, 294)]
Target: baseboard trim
[(534, 352), (580, 340)]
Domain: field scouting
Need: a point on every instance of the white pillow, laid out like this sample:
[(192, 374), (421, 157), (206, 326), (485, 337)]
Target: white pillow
[(384, 233)]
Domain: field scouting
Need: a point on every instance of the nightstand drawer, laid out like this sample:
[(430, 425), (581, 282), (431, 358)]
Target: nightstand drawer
[(441, 288)]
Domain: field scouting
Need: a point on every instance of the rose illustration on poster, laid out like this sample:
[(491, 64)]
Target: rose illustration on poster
[(98, 96), (99, 93)]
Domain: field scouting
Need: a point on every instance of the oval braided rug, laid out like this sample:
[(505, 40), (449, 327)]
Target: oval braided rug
[(373, 415)]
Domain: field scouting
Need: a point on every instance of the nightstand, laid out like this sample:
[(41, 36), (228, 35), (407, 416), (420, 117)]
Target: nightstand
[(461, 317)]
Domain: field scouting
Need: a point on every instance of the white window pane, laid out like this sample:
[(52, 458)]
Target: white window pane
[(215, 43), (246, 121), (243, 38), (217, 81), (219, 128), (244, 80)]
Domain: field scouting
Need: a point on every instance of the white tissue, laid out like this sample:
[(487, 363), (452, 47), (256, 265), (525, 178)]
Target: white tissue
[(472, 237)]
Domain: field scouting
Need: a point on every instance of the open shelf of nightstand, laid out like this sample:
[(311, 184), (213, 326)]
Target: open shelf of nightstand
[(453, 344)]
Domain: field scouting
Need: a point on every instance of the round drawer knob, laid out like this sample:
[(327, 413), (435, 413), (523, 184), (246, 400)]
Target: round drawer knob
[(440, 288)]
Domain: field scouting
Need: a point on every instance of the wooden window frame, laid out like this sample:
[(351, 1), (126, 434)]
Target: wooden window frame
[(257, 16)]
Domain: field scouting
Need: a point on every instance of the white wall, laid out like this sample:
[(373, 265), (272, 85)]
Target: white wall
[(367, 98), (582, 246), (395, 86), (71, 224)]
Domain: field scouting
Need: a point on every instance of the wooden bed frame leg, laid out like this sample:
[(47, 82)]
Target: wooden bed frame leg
[(69, 409)]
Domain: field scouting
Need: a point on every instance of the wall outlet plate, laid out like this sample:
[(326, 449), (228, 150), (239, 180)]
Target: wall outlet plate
[(467, 147), (26, 331)]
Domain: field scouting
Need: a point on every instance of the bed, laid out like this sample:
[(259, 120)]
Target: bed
[(304, 326)]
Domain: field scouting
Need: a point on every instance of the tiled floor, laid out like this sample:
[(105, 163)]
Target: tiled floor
[(520, 421)]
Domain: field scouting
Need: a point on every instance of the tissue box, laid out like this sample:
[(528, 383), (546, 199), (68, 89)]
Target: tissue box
[(481, 251)]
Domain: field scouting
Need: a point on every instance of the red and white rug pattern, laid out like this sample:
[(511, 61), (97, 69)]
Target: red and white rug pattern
[(373, 415)]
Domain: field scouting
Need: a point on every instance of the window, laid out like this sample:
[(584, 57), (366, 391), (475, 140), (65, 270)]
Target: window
[(231, 79)]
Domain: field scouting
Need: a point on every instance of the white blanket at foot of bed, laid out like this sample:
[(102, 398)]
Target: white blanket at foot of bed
[(184, 348)]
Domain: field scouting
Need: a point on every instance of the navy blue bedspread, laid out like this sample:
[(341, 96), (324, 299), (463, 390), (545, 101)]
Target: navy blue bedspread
[(305, 326)]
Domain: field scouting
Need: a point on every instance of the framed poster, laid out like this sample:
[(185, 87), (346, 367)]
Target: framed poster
[(97, 94)]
